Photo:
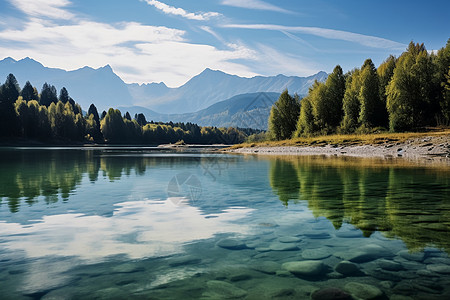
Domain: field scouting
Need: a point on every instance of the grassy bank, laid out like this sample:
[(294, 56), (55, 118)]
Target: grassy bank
[(348, 139)]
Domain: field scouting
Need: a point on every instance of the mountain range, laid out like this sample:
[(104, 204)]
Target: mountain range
[(211, 98)]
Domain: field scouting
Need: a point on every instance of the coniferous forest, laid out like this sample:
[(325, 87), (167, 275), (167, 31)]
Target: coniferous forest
[(46, 117), (408, 93)]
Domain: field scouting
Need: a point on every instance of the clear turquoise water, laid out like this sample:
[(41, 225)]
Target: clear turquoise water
[(115, 223)]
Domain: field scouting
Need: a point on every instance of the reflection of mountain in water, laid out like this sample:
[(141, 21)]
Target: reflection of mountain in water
[(410, 203)]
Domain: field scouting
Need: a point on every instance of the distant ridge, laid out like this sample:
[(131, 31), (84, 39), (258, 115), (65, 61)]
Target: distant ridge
[(105, 89), (212, 86)]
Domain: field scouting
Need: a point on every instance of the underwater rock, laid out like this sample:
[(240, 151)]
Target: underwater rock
[(363, 291), (277, 246), (389, 265), (223, 290), (289, 239), (267, 267), (231, 244), (367, 253), (439, 268), (346, 268), (313, 254), (411, 256), (314, 234), (330, 294), (305, 268)]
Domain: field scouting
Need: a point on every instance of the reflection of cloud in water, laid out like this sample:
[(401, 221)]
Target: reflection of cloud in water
[(138, 229)]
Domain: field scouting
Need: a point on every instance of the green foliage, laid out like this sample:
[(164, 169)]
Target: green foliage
[(48, 95), (409, 93), (371, 106), (445, 102), (9, 92), (283, 116), (335, 93), (29, 92), (305, 124), (351, 102), (326, 101), (64, 95)]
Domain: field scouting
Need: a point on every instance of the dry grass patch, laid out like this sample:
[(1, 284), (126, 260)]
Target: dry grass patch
[(348, 139)]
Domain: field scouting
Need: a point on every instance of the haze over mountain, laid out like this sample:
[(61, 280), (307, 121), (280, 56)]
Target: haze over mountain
[(212, 86), (212, 98), (245, 111), (86, 85)]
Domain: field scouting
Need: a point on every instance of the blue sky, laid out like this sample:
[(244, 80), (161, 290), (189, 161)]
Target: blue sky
[(173, 40)]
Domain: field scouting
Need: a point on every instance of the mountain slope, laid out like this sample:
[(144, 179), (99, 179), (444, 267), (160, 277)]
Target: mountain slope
[(86, 85), (246, 111), (211, 86)]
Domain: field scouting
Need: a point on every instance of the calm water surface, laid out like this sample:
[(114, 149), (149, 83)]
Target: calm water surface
[(117, 223)]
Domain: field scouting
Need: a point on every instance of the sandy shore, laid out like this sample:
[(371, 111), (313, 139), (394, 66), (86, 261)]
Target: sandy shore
[(436, 148)]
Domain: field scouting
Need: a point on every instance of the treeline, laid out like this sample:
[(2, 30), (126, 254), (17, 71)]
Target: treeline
[(403, 94), (47, 117)]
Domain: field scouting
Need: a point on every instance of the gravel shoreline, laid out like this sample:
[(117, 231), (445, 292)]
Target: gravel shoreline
[(435, 148)]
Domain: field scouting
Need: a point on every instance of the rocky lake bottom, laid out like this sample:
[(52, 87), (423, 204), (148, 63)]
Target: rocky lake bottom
[(192, 226)]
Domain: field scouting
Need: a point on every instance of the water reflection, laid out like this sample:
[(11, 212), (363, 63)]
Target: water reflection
[(374, 195), (28, 175)]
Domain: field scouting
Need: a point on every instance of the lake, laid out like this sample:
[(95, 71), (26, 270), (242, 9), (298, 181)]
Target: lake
[(146, 223)]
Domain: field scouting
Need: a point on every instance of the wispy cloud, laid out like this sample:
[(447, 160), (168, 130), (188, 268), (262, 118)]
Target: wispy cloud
[(138, 53), (366, 40), (53, 9), (171, 10), (255, 4)]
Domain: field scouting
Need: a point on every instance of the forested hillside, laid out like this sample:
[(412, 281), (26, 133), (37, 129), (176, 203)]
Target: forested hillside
[(49, 118), (407, 93)]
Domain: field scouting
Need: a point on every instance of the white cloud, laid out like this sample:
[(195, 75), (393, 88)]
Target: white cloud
[(282, 63), (167, 9), (137, 53), (366, 40), (160, 228), (44, 8), (254, 4)]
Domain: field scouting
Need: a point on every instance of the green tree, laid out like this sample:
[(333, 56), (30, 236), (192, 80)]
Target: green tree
[(284, 116), (351, 103), (409, 94), (385, 72), (305, 124), (442, 69), (335, 93), (445, 102), (64, 95), (140, 118), (371, 105), (9, 92), (29, 92), (48, 95), (113, 126), (93, 123), (326, 100)]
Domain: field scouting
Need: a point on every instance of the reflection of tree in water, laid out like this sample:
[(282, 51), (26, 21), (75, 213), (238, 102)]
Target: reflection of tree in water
[(26, 175), (284, 181), (410, 203), (45, 173)]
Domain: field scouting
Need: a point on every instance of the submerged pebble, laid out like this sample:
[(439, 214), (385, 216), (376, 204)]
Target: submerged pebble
[(363, 291), (330, 294), (231, 244), (305, 268)]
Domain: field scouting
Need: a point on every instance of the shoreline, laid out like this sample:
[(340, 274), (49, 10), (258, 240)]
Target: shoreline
[(427, 148)]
